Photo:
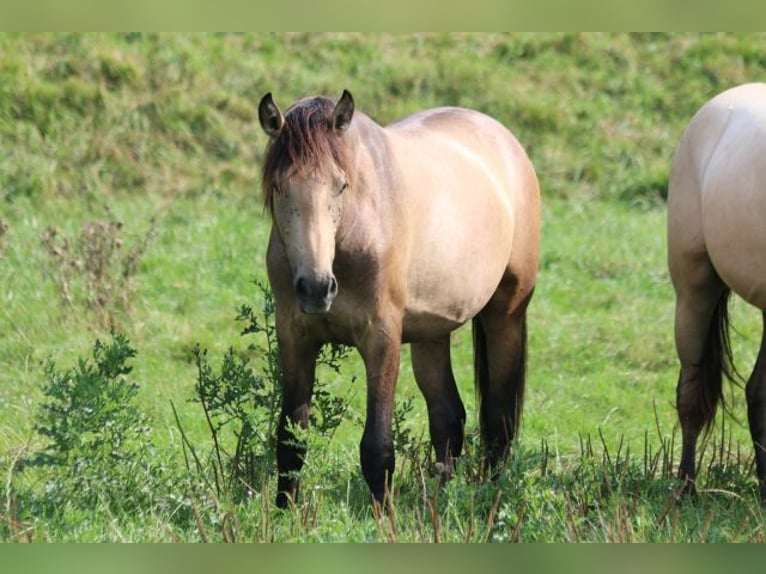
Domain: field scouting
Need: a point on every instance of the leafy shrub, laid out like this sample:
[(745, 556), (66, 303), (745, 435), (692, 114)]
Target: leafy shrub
[(99, 449), (244, 403)]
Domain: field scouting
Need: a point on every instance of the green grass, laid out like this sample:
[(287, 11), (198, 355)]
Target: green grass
[(164, 128)]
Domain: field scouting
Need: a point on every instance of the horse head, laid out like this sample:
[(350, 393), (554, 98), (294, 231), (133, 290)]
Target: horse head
[(305, 174)]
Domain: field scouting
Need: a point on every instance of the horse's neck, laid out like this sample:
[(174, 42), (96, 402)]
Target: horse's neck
[(374, 203), (376, 164)]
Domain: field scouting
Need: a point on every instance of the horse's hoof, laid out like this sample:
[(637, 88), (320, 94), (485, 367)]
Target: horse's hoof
[(688, 490), (443, 471), (283, 500)]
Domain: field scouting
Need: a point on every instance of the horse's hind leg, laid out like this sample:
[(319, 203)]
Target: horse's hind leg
[(756, 412), (500, 341), (446, 415), (701, 300)]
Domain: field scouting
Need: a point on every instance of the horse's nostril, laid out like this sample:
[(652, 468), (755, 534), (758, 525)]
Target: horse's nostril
[(333, 288), (302, 287)]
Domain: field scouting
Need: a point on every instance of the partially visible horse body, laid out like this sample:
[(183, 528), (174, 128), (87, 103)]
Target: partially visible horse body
[(385, 235), (716, 245)]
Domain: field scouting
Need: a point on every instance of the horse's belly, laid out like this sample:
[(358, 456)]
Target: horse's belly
[(445, 291), (443, 298), (426, 326)]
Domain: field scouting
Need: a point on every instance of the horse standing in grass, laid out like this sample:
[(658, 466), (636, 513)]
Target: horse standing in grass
[(716, 245), (385, 235)]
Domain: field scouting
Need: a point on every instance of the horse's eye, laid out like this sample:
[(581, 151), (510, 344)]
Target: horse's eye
[(343, 187)]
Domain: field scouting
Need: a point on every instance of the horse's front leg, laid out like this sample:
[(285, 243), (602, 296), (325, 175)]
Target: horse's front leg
[(298, 357), (380, 350)]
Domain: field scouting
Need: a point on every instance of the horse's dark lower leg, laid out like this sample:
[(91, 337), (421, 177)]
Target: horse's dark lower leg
[(692, 421), (290, 454), (378, 463), (298, 363), (432, 367), (376, 450), (702, 342), (756, 413), (502, 394)]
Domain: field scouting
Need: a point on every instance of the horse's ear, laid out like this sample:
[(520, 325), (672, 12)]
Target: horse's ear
[(344, 111), (269, 115)]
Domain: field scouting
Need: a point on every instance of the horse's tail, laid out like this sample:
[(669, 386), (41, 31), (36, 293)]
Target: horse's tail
[(515, 398), (480, 365), (717, 362)]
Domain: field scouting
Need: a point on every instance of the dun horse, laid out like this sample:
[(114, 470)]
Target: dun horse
[(385, 235), (716, 245)]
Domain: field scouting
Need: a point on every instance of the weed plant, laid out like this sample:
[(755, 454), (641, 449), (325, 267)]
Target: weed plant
[(94, 272)]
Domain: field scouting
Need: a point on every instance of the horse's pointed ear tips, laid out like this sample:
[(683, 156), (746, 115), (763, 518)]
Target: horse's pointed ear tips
[(344, 111), (268, 100), (347, 97), (269, 115)]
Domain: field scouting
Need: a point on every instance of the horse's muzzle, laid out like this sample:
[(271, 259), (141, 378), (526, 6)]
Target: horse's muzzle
[(316, 294)]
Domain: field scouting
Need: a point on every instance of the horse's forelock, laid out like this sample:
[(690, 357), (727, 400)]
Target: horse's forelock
[(306, 143)]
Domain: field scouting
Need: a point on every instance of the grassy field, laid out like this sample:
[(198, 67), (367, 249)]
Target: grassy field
[(129, 201)]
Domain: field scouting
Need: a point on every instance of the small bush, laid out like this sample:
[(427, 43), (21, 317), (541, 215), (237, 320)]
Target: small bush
[(98, 447), (243, 404)]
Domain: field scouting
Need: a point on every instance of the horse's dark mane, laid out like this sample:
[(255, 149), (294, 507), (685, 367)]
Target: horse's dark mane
[(305, 143)]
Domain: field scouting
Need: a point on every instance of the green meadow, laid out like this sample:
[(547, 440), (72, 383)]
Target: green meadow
[(132, 232)]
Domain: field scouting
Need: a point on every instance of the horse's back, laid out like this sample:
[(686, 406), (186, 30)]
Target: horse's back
[(452, 128), (456, 146), (717, 195)]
